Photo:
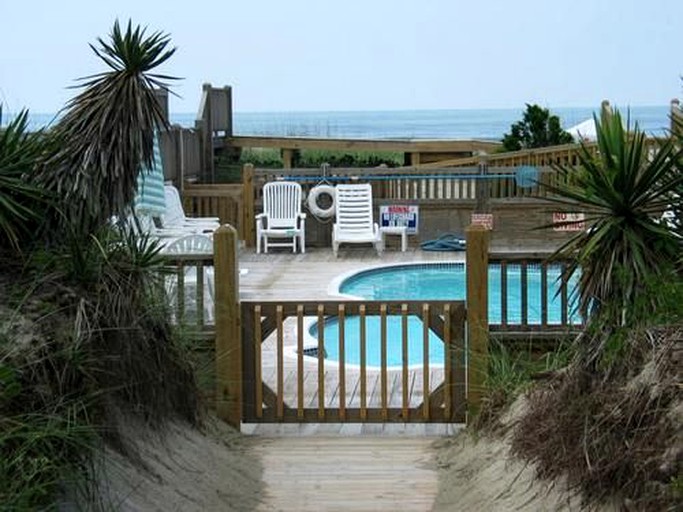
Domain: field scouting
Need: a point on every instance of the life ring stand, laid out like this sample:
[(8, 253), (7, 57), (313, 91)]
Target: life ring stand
[(314, 194)]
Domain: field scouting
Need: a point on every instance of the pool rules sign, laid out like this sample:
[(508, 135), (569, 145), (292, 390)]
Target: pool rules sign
[(395, 215)]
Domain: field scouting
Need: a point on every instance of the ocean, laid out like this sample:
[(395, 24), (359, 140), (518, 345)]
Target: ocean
[(488, 124)]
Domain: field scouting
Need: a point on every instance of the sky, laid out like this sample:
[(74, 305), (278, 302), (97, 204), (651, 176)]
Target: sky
[(350, 55)]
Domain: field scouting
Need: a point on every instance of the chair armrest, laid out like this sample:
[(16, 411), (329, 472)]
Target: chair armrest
[(202, 220)]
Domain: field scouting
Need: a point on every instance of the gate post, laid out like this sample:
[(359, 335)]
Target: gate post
[(477, 314), (228, 331)]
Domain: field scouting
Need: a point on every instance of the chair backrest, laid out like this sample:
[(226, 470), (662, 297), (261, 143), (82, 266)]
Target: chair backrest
[(282, 203), (174, 214), (191, 244), (353, 208)]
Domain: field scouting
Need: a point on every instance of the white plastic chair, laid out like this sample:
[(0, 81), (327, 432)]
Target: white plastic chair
[(175, 218), (188, 245), (281, 217), (354, 217)]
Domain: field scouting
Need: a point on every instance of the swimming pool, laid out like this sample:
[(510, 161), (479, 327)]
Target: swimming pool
[(437, 281)]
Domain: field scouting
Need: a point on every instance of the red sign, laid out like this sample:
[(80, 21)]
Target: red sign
[(564, 221), (482, 219)]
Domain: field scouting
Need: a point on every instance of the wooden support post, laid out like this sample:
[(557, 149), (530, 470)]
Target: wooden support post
[(482, 186), (415, 159), (228, 328), (248, 215), (287, 158), (207, 135), (227, 90), (477, 314)]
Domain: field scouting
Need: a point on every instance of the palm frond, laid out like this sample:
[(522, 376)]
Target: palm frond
[(106, 132)]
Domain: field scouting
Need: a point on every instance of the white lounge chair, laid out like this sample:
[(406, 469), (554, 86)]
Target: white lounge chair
[(175, 218), (354, 217), (144, 224), (281, 217)]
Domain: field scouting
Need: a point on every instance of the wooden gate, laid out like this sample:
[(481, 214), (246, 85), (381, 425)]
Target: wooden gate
[(286, 376)]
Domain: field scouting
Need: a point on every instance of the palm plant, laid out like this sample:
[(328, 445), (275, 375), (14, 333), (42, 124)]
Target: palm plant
[(623, 190), (19, 150), (106, 132)]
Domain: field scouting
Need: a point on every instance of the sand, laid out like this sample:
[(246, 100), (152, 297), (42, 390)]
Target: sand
[(479, 474), (187, 469)]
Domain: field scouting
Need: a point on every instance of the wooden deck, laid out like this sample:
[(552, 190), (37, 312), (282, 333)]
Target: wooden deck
[(347, 473)]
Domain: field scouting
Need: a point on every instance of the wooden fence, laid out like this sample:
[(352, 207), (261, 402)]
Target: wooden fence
[(532, 296), (433, 188), (222, 201), (189, 282), (263, 372)]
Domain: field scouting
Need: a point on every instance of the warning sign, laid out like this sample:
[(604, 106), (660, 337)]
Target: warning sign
[(395, 215), (482, 219), (564, 221)]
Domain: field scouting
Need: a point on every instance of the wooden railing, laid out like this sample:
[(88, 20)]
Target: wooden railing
[(410, 183), (545, 301), (189, 281), (277, 389)]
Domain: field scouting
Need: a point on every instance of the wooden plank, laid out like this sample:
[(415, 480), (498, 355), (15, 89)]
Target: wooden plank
[(383, 363), (200, 294), (342, 359), (358, 473), (564, 302), (180, 292), (503, 293), (248, 214), (404, 332), (280, 362), (363, 362), (425, 360), (457, 367), (405, 146), (477, 312), (544, 294), (321, 363), (300, 360), (524, 284), (229, 374), (352, 415), (448, 374), (258, 377), (352, 307)]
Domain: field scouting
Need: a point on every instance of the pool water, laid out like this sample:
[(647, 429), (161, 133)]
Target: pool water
[(443, 281)]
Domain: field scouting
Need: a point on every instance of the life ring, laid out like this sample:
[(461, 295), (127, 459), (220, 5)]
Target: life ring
[(314, 194)]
